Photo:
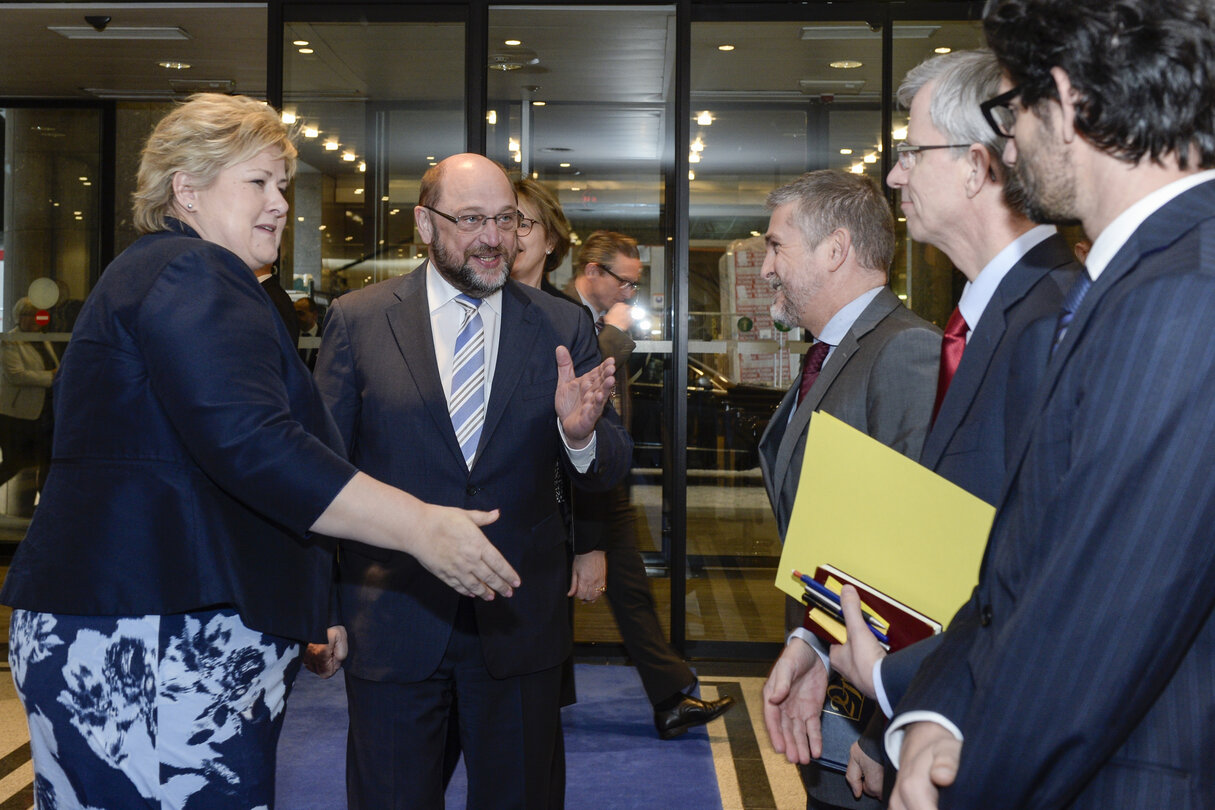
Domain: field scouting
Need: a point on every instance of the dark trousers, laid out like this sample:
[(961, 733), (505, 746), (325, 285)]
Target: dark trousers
[(508, 731), (663, 672)]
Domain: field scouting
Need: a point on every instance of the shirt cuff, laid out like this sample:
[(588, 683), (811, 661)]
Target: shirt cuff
[(883, 698), (814, 642), (581, 459), (896, 731)]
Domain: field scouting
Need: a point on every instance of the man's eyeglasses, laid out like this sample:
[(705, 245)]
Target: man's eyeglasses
[(909, 153), (999, 112), (624, 282), (471, 223)]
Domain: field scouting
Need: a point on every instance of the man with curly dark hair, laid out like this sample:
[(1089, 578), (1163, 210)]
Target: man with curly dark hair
[(1079, 674)]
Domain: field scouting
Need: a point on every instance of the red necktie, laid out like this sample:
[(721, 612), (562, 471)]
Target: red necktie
[(952, 346), (811, 367)]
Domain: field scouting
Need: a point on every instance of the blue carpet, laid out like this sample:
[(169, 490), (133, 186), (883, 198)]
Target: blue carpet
[(614, 759)]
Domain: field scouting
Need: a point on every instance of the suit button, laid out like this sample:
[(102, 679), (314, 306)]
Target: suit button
[(471, 491), (985, 615)]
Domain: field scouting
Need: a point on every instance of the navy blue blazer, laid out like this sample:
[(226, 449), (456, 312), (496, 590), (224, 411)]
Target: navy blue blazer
[(378, 374), (989, 397), (192, 451), (1080, 672)]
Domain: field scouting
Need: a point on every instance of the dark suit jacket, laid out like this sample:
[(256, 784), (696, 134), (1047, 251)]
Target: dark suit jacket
[(284, 305), (881, 379), (191, 453), (989, 397), (1080, 672), (378, 374)]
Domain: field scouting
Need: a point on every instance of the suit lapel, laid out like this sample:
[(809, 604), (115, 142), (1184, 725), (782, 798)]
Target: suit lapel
[(1040, 260), (409, 322), (878, 308), (1159, 230), (516, 338)]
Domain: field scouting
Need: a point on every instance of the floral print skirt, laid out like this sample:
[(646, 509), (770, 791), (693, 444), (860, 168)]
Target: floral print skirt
[(177, 711)]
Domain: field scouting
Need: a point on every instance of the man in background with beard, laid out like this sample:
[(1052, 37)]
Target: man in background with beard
[(459, 387)]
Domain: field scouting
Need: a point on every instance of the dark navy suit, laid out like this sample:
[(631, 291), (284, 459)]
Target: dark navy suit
[(989, 397), (1080, 672), (191, 454), (378, 373)]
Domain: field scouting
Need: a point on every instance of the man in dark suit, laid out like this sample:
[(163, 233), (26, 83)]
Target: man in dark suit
[(963, 201), (606, 277), (268, 276), (458, 386), (1079, 673), (830, 243), (308, 317)]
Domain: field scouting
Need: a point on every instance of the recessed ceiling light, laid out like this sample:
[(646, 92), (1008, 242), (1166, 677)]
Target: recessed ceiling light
[(564, 165), (538, 103), (299, 43), (349, 157), (331, 146), (691, 174), (725, 47), (358, 191), (942, 49), (288, 117), (491, 117), (899, 134), (82, 179), (870, 158), (311, 132), (512, 42), (362, 165), (846, 64), (694, 157), (306, 50), (845, 151), (174, 65), (705, 119)]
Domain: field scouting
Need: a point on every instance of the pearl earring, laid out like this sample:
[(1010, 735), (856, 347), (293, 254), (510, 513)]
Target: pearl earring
[(189, 206)]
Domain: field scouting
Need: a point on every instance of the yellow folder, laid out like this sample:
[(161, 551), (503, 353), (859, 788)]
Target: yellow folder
[(872, 512)]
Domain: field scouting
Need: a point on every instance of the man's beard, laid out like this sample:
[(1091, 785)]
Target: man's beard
[(1045, 181), (463, 276)]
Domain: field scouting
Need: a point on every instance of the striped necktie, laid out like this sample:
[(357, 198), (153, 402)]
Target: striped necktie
[(1071, 303), (467, 402)]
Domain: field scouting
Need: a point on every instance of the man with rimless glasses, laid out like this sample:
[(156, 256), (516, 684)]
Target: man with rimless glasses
[(459, 386), (958, 196)]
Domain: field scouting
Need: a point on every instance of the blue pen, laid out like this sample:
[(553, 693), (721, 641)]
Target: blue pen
[(823, 590)]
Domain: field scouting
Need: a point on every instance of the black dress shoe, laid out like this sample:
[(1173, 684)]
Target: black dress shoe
[(687, 713)]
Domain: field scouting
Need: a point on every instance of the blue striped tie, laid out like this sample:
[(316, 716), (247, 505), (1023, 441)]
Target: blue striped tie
[(467, 402)]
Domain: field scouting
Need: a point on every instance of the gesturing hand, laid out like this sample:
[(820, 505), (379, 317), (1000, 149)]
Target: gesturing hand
[(928, 762), (579, 400), (793, 700)]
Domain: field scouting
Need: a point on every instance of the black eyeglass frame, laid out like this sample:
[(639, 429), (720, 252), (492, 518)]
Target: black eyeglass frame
[(988, 109), (909, 149), (624, 282), (475, 222)]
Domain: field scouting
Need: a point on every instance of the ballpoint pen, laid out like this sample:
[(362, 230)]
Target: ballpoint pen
[(823, 590)]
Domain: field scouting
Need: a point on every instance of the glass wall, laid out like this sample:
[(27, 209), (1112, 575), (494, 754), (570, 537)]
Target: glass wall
[(580, 100), (370, 122)]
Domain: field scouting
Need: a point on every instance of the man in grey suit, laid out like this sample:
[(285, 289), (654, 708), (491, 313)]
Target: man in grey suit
[(830, 242)]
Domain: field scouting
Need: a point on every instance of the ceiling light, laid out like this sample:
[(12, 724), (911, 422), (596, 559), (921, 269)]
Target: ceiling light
[(564, 165), (491, 117), (384, 198), (299, 43), (899, 134), (432, 157), (725, 47), (331, 146), (942, 49), (837, 32), (121, 32), (694, 157), (288, 117), (572, 188), (349, 157), (518, 157), (87, 183), (512, 42), (362, 165), (82, 179), (311, 132), (511, 146), (299, 219), (539, 103), (691, 174), (174, 65), (705, 119), (870, 158), (698, 145), (845, 151), (858, 168), (306, 50), (358, 191), (846, 64)]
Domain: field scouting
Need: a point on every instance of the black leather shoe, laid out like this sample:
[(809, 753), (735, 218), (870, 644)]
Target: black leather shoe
[(687, 713)]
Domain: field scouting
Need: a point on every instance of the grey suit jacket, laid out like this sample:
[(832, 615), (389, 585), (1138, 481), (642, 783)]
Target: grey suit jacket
[(881, 379), (25, 379)]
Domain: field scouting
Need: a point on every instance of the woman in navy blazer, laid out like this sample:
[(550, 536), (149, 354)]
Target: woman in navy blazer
[(171, 572)]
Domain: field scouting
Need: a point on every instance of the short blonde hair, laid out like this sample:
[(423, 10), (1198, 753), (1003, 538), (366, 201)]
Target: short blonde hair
[(206, 134), (24, 307)]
